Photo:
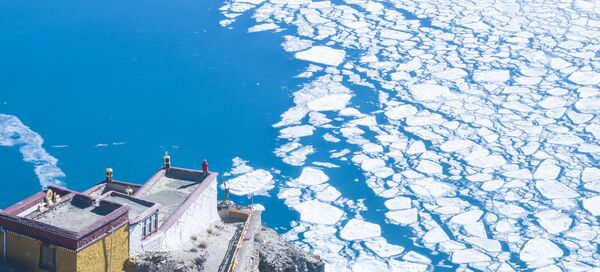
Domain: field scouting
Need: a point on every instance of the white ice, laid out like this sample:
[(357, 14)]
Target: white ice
[(539, 249), (317, 212), (14, 133), (312, 176), (357, 229), (258, 181), (322, 54)]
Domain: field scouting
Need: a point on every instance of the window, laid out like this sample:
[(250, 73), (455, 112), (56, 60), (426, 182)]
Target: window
[(149, 225), (48, 257)]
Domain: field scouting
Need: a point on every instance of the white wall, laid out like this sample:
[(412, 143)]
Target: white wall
[(195, 219)]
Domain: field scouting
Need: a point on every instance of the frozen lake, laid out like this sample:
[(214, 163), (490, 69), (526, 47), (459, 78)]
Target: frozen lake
[(381, 135)]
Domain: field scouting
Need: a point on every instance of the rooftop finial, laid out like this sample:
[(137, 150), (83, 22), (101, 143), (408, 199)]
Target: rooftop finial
[(109, 174), (167, 161)]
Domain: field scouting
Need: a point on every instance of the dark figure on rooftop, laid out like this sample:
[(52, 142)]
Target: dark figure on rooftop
[(205, 168)]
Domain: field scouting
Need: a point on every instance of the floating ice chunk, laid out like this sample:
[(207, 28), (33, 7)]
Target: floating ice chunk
[(263, 27), (467, 218), (563, 139), (554, 190), (314, 211), (552, 102), (585, 77), (518, 174), (429, 167), (488, 161), (398, 203), (416, 147), (429, 187), (325, 164), (395, 35), (401, 266), (511, 210), (547, 170), (590, 174), (492, 76), (258, 181), (594, 130), (363, 264), (582, 232), (549, 268), (469, 256), (312, 176), (456, 145), (592, 205), (239, 167), (591, 105), (382, 248), (293, 44), (450, 74), (297, 131), (414, 257), (554, 221), (435, 235), (322, 54), (539, 249), (357, 229), (401, 112), (488, 245), (492, 185), (377, 167), (403, 217), (518, 106), (329, 194), (333, 102), (14, 133), (428, 92)]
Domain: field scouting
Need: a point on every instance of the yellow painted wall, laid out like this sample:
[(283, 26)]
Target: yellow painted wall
[(66, 260), (22, 250), (97, 257)]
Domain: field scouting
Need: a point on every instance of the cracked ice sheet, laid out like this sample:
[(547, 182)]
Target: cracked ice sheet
[(14, 133), (502, 93)]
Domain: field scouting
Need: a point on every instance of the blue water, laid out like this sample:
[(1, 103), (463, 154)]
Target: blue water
[(118, 83), (156, 75)]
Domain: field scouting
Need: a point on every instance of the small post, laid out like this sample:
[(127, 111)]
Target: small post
[(167, 161), (109, 174), (205, 168)]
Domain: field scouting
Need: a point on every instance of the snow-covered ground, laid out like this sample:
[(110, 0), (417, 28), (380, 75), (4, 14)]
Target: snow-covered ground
[(484, 140)]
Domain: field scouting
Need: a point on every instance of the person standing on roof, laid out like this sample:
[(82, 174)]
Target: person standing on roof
[(205, 168)]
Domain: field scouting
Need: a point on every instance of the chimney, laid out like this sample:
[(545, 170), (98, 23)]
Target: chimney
[(166, 161), (109, 173)]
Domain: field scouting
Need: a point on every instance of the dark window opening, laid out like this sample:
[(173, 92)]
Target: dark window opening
[(48, 257)]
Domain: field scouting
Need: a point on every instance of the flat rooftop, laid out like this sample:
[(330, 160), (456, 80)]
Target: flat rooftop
[(73, 215), (135, 207), (171, 190)]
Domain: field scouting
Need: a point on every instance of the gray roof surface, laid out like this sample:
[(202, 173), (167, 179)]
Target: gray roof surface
[(71, 216), (170, 192), (135, 208)]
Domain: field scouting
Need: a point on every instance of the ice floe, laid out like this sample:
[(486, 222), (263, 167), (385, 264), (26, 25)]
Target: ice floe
[(539, 249), (312, 176), (14, 133), (475, 125), (255, 182), (322, 54), (314, 211), (357, 229)]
